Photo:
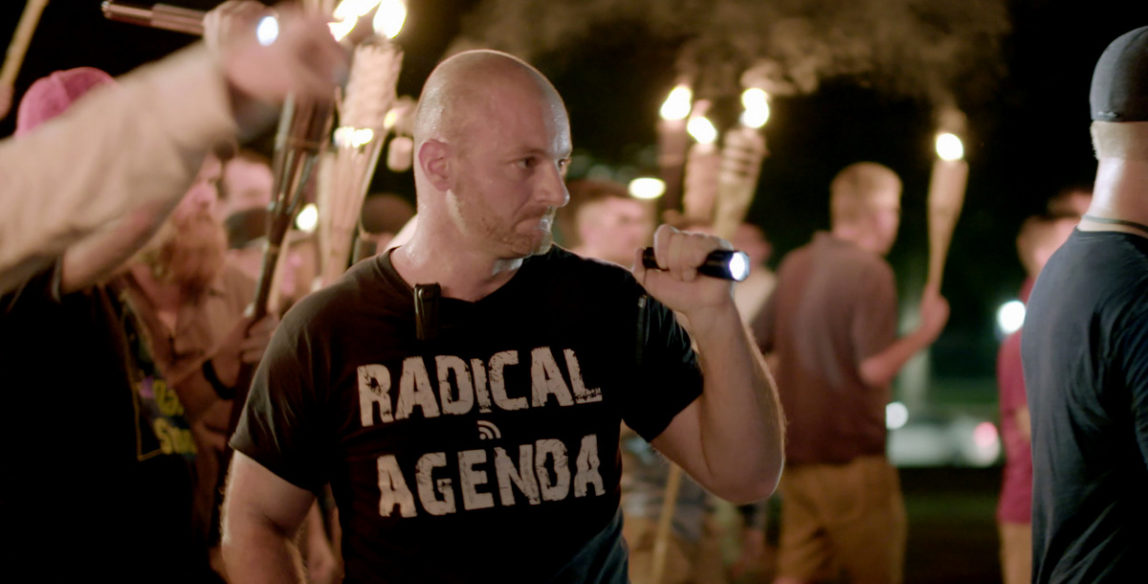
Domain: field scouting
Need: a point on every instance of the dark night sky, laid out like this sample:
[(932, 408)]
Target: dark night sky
[(1028, 135)]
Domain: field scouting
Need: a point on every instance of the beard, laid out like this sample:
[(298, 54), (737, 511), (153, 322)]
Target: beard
[(189, 252), (506, 235)]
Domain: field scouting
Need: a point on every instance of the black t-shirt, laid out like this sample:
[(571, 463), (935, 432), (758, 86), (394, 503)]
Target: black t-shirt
[(489, 453), (1085, 353), (96, 451)]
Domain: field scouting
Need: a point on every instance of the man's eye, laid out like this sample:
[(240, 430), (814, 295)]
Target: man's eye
[(528, 162)]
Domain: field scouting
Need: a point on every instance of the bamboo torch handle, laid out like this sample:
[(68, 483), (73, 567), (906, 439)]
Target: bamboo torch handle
[(665, 524), (18, 47), (946, 197)]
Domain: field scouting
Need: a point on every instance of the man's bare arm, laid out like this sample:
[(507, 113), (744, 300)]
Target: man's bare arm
[(731, 438), (879, 370), (262, 514)]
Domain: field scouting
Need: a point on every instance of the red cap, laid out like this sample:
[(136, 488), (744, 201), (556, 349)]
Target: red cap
[(50, 96)]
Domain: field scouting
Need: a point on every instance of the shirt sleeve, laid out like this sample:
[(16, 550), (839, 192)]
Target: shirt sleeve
[(281, 426), (1133, 350), (875, 315), (669, 377), (72, 175)]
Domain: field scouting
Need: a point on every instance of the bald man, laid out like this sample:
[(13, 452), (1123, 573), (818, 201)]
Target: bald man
[(462, 393), (831, 325)]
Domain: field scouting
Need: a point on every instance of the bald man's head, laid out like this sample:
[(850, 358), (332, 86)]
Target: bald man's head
[(492, 141), (463, 88)]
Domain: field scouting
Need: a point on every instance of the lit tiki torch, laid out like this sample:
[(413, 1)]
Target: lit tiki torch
[(946, 192), (702, 165), (741, 163), (345, 175), (672, 142)]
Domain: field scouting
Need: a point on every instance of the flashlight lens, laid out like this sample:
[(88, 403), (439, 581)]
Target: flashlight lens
[(738, 266), (267, 30)]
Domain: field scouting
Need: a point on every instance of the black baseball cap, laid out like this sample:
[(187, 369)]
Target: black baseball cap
[(1120, 81)]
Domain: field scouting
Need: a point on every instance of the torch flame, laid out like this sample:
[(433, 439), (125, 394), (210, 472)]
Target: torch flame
[(353, 9), (756, 104), (647, 188), (341, 28), (950, 147), (702, 129), (348, 137), (677, 106), (390, 17)]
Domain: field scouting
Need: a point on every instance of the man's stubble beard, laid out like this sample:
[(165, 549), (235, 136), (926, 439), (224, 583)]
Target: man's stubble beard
[(477, 217)]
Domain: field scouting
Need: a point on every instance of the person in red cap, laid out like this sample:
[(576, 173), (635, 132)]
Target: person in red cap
[(1085, 351), (96, 440)]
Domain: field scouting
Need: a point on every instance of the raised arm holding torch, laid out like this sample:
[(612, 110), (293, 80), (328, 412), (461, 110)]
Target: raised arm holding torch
[(741, 163)]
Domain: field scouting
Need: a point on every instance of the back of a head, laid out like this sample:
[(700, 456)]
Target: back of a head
[(1119, 98), (52, 95), (858, 188)]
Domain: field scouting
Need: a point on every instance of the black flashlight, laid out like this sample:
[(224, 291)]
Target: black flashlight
[(726, 264)]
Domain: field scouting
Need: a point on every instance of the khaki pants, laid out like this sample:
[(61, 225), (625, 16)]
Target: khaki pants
[(1016, 552), (842, 518)]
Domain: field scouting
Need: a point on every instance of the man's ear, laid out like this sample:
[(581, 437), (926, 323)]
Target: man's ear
[(434, 159)]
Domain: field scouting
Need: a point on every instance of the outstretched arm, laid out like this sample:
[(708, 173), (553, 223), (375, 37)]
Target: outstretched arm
[(731, 438), (140, 142)]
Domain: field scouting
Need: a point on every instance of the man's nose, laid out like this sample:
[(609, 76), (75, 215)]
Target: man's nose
[(552, 190)]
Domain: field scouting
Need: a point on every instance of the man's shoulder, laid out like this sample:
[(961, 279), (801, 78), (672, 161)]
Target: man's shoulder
[(354, 297), (566, 265), (836, 256)]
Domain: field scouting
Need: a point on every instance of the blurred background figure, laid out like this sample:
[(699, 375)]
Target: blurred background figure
[(245, 189), (830, 331), (750, 294), (383, 217), (1039, 237), (603, 221), (181, 314)]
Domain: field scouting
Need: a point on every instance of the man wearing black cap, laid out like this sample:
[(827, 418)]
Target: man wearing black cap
[(1085, 351)]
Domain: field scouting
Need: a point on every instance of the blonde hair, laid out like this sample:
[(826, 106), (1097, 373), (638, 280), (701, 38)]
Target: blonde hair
[(1127, 140), (856, 186)]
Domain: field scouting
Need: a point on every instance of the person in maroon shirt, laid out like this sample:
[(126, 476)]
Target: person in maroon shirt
[(1039, 237), (831, 330)]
